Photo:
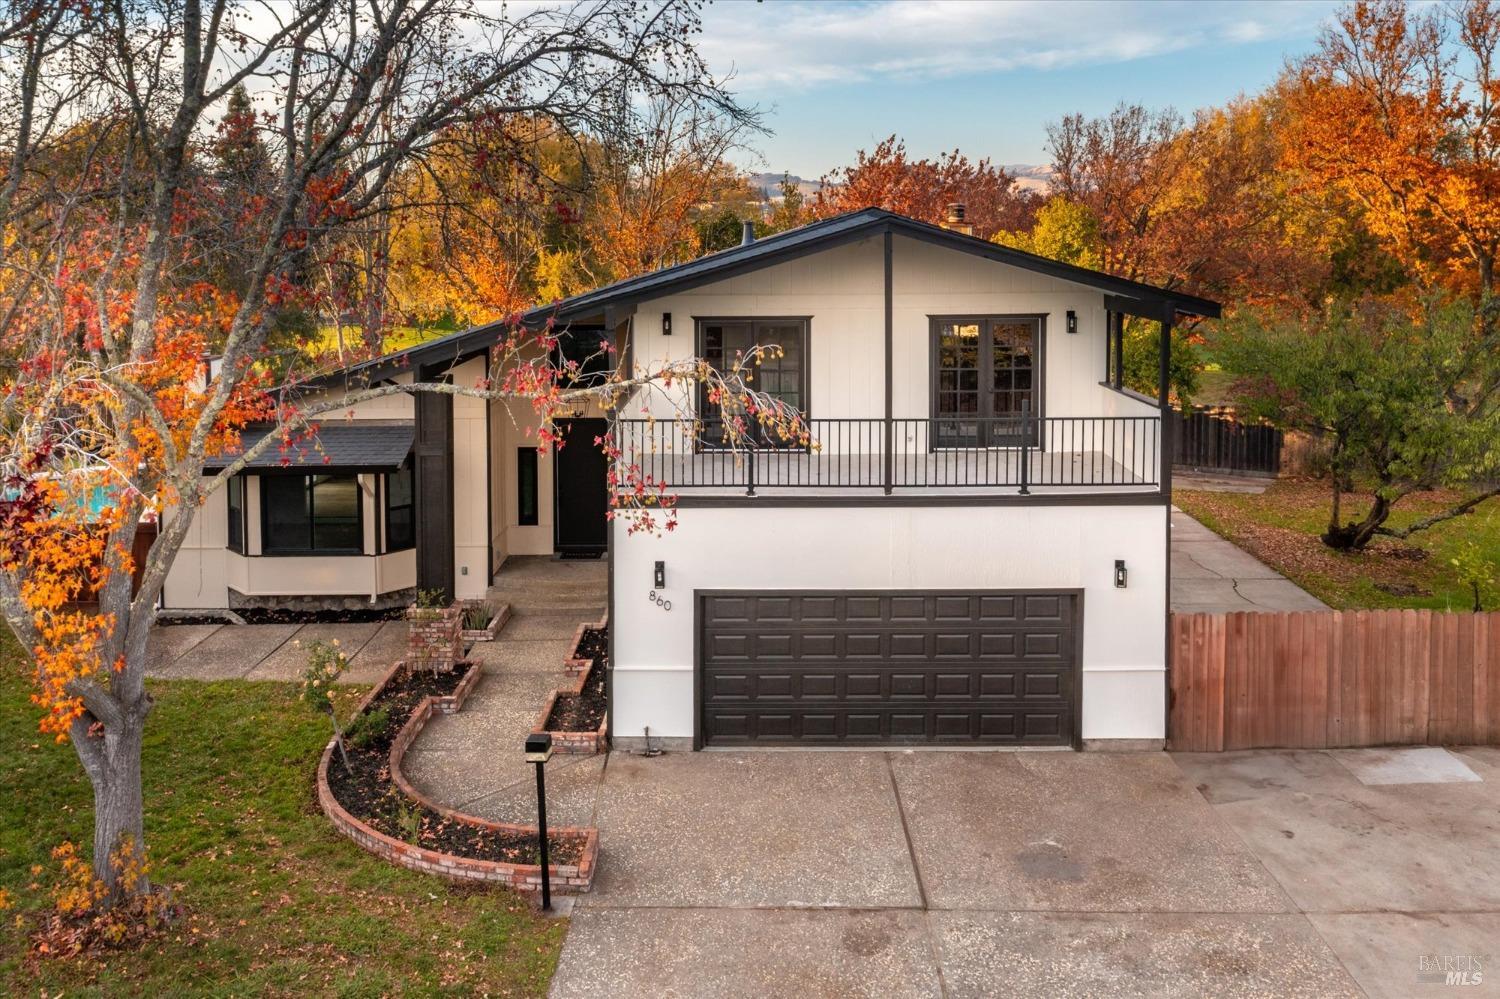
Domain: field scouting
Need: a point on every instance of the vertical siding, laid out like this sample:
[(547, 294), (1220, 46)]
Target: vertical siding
[(842, 291)]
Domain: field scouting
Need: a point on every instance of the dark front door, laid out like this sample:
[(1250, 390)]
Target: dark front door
[(582, 492), (872, 667), (986, 374)]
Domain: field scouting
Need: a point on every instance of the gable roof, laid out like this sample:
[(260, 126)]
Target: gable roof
[(601, 303)]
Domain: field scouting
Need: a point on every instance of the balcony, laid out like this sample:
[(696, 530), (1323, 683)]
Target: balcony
[(1020, 456)]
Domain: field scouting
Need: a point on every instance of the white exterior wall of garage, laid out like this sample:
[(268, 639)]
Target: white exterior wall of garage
[(1043, 547)]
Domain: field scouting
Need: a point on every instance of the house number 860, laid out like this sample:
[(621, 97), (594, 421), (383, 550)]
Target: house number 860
[(659, 601)]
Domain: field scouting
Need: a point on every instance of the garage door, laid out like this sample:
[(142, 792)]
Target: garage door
[(873, 667)]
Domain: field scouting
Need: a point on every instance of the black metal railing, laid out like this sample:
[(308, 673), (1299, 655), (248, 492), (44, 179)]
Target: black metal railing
[(1021, 453)]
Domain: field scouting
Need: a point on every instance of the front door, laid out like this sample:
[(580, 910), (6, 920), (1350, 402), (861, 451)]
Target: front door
[(985, 377), (582, 492)]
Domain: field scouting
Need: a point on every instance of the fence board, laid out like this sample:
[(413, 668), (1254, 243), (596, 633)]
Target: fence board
[(1334, 678)]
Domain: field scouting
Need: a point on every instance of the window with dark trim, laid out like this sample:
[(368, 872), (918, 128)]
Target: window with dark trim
[(526, 486), (400, 510), (235, 492), (311, 514), (721, 342)]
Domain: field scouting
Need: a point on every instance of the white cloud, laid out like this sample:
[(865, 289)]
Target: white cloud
[(804, 44)]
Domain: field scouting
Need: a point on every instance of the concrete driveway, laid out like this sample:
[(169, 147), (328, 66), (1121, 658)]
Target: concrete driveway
[(1047, 874)]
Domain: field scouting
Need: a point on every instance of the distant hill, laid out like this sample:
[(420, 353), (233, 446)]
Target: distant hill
[(770, 184), (1029, 177)]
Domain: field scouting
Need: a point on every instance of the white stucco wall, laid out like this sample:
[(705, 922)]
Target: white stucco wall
[(997, 547)]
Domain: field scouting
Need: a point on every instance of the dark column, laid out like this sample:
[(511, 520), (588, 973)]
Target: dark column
[(1119, 347), (434, 491), (890, 351), (1163, 389)]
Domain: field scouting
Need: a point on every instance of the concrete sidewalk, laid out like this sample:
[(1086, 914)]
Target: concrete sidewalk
[(1210, 574)]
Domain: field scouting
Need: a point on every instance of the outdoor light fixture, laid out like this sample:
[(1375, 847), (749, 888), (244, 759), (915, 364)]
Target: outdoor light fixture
[(659, 578), (1120, 573), (539, 751), (1072, 321), (666, 324)]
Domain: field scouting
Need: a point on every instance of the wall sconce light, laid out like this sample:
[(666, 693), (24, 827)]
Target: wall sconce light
[(1120, 573), (1072, 321), (666, 324), (660, 577)]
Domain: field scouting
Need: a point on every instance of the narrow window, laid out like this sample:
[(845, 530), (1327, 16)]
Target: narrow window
[(526, 486), (235, 491), (400, 519)]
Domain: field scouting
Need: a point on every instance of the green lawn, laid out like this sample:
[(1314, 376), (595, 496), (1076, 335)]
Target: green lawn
[(1281, 528), (277, 903)]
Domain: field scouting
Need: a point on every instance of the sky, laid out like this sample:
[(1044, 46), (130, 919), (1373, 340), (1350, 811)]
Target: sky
[(983, 76)]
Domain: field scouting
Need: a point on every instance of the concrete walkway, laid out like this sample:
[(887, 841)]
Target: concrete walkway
[(473, 760), (1209, 574), (270, 651), (961, 874)]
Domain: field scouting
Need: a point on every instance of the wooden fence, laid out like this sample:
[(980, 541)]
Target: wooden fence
[(1315, 679), (1215, 440)]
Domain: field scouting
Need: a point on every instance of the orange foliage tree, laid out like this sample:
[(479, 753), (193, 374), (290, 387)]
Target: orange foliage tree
[(112, 217), (922, 188), (1398, 110)]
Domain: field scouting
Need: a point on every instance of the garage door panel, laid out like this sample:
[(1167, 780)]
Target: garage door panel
[(882, 667)]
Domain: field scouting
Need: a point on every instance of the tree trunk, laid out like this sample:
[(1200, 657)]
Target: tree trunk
[(1355, 536), (113, 763)]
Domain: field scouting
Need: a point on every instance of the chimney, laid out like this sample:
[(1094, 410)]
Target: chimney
[(748, 236), (957, 220)]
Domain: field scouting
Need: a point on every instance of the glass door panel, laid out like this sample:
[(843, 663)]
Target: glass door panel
[(959, 404), (984, 379)]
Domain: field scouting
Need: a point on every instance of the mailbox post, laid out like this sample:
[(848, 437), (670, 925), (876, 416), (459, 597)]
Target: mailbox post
[(539, 751)]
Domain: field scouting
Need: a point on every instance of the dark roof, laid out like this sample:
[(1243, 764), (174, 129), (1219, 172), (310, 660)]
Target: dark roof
[(592, 306), (336, 447)]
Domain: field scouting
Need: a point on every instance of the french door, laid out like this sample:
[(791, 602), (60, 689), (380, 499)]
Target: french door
[(986, 374)]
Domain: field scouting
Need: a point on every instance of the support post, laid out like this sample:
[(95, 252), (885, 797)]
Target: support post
[(890, 351), (1119, 348), (1025, 447), (1164, 399)]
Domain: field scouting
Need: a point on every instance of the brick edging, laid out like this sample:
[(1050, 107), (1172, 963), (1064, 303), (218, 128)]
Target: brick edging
[(492, 630), (571, 662), (587, 743), (565, 878)]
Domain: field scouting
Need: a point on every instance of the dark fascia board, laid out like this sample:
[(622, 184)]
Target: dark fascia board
[(623, 296)]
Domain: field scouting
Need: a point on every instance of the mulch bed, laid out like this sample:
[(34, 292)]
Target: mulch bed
[(370, 796), (584, 712), (278, 616)]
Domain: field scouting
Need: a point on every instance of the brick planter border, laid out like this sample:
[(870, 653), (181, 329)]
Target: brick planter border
[(565, 878), (490, 632), (586, 743), (435, 635), (572, 663)]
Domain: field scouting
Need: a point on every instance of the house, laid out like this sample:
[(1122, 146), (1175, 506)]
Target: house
[(975, 552)]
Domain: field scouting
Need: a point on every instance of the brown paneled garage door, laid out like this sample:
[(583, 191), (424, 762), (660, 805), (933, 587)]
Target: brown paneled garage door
[(872, 667)]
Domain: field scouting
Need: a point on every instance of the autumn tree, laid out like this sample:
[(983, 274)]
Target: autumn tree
[(648, 191), (889, 178), (1397, 111), (110, 409)]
